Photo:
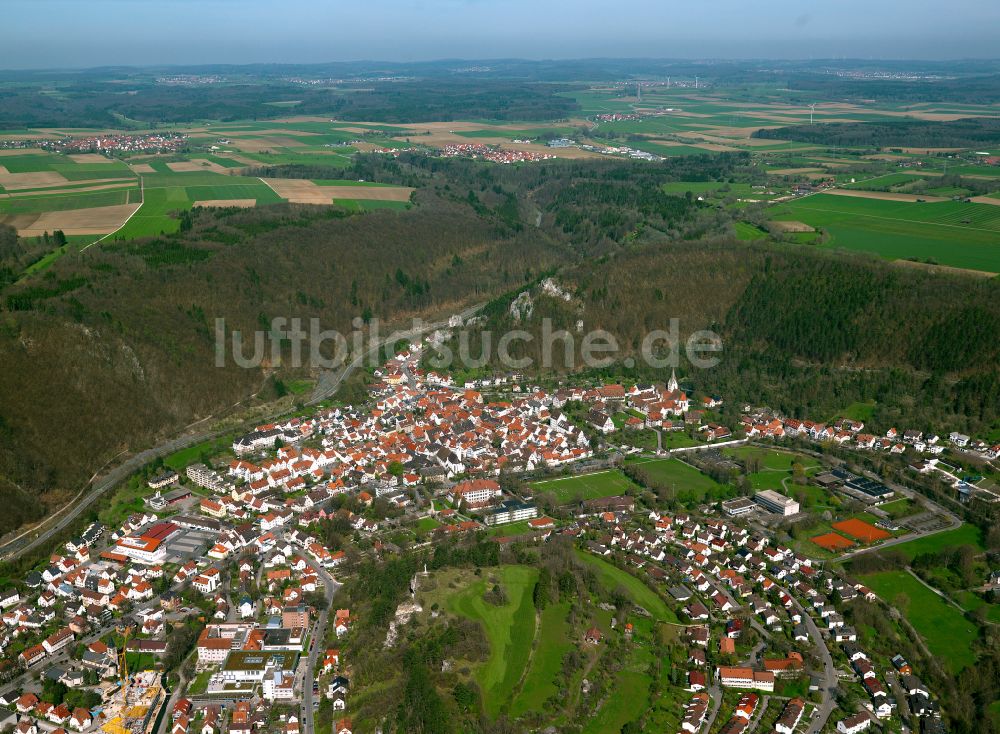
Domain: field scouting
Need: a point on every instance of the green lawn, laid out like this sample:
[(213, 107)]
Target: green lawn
[(585, 486), (546, 662), (947, 633), (859, 411), (965, 535), (426, 524), (682, 476), (899, 508), (612, 577), (509, 628), (179, 460)]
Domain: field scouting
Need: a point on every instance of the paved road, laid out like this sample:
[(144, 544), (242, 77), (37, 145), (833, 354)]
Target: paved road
[(828, 686), (69, 513), (715, 692), (317, 643)]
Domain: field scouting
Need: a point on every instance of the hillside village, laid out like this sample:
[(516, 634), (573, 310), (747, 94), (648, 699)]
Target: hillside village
[(215, 608)]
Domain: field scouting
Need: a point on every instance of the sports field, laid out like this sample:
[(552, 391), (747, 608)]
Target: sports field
[(951, 233), (510, 629), (832, 542), (586, 486), (862, 531), (947, 633)]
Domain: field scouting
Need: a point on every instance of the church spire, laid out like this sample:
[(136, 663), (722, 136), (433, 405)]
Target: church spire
[(672, 385)]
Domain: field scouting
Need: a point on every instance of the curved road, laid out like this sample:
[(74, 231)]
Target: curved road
[(64, 517)]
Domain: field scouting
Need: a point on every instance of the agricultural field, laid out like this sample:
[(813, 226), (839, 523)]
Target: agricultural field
[(947, 633), (955, 234), (167, 193), (568, 490)]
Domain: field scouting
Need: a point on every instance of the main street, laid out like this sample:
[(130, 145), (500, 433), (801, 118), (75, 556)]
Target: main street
[(316, 644)]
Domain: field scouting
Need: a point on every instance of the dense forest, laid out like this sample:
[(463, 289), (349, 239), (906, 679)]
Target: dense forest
[(972, 132), (94, 103)]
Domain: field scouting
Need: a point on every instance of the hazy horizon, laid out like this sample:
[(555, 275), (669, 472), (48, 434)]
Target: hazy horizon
[(45, 34)]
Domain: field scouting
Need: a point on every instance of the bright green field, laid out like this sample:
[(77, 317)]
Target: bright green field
[(546, 662), (612, 577), (168, 193), (965, 535), (950, 233), (859, 411), (680, 475), (65, 202), (586, 486), (510, 630), (947, 633)]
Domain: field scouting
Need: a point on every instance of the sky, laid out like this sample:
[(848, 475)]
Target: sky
[(87, 33)]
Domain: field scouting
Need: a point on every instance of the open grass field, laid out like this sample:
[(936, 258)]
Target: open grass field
[(947, 633), (676, 473), (612, 577), (951, 233), (179, 460), (552, 643), (900, 508), (510, 629), (585, 486), (859, 411), (964, 535)]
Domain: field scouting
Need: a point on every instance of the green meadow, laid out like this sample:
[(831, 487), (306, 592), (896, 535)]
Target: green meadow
[(585, 486), (510, 629), (947, 633), (950, 233)]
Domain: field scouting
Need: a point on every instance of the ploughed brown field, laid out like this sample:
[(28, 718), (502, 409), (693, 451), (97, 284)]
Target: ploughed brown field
[(97, 220)]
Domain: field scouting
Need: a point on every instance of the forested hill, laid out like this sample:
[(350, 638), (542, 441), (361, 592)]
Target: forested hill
[(806, 331), (973, 132), (101, 103)]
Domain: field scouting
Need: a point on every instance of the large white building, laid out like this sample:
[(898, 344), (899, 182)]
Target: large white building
[(149, 548), (776, 502), (476, 492), (510, 511)]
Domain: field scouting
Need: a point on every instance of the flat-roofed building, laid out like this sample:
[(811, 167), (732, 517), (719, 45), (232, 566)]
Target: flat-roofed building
[(776, 502)]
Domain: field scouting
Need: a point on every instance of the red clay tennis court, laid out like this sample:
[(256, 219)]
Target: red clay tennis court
[(863, 531), (832, 542)]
